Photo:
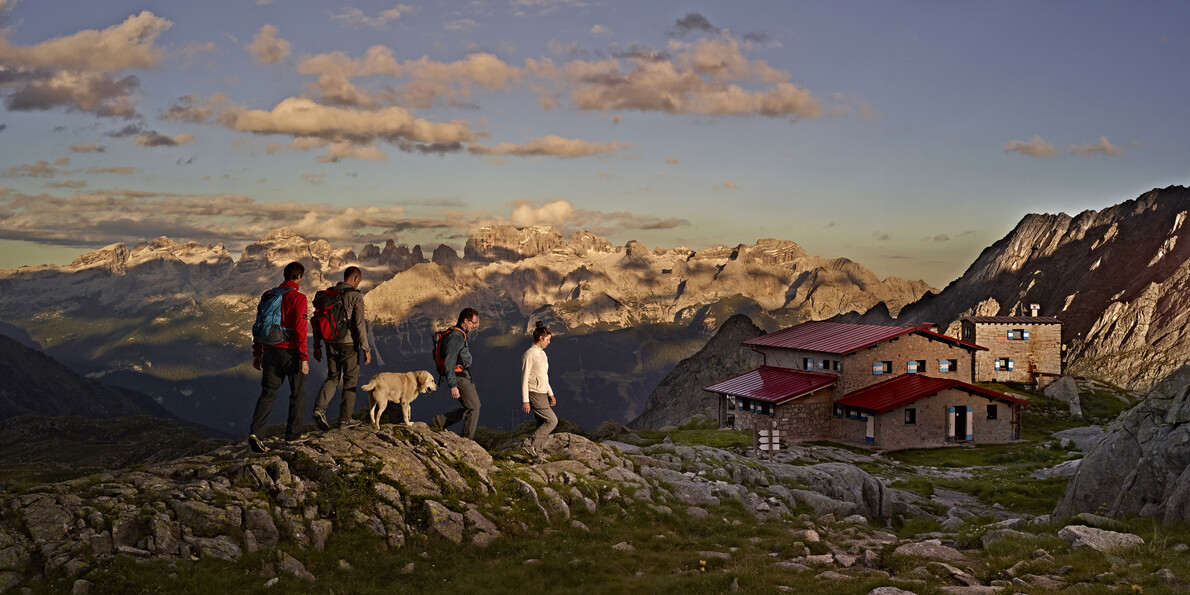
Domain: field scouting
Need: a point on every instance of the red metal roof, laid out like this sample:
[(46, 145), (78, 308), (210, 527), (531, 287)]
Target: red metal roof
[(845, 337), (773, 385), (1014, 319), (908, 388)]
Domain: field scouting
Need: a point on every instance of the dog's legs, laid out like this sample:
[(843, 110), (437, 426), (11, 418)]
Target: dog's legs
[(376, 421), (408, 414)]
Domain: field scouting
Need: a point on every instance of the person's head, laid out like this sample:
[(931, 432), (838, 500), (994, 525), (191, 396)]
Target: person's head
[(468, 319), (353, 276), (541, 335), (294, 271)]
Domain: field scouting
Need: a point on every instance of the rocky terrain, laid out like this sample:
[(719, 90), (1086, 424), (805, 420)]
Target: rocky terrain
[(1140, 467), (1119, 279), (405, 490)]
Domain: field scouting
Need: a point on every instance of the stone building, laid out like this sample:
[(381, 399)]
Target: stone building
[(1024, 349), (889, 387)]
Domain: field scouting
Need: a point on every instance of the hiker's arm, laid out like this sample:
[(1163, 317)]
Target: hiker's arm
[(359, 332), (450, 358)]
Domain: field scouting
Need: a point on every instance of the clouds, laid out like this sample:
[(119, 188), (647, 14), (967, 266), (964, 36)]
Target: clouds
[(154, 139), (354, 17), (267, 48), (130, 44), (1037, 147), (555, 146), (562, 214), (302, 117), (90, 92), (693, 23)]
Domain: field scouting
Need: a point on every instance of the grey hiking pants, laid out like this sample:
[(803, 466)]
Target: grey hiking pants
[(539, 404), (468, 410)]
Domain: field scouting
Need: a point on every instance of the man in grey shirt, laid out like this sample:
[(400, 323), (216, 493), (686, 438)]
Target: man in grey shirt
[(343, 355), (457, 356)]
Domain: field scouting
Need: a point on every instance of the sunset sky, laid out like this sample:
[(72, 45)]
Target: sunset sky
[(905, 135)]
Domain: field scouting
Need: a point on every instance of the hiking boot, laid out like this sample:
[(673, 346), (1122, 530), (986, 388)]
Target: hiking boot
[(348, 424), (256, 444), (320, 421), (438, 423), (299, 440)]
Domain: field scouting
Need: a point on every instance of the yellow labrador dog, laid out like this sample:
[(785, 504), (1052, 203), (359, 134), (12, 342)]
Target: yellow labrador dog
[(394, 387)]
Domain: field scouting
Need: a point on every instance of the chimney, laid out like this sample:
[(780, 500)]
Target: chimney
[(926, 326), (1034, 310)]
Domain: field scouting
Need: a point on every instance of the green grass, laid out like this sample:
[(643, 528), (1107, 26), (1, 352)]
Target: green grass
[(700, 433)]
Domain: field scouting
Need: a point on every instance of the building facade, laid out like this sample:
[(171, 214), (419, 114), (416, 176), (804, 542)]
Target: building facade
[(889, 387), (1025, 349)]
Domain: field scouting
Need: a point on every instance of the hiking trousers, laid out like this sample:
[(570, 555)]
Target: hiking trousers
[(342, 364), (277, 365), (539, 404), (468, 410)]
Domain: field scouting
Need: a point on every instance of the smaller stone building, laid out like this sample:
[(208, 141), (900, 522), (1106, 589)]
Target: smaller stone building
[(1026, 349)]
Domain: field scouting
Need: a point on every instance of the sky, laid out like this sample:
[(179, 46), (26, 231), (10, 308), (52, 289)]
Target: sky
[(904, 135)]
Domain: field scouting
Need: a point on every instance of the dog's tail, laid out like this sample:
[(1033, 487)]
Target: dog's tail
[(369, 386)]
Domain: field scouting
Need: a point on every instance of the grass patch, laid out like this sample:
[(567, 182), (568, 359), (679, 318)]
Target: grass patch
[(700, 433)]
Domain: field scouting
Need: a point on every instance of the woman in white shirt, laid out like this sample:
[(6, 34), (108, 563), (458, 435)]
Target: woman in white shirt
[(536, 395)]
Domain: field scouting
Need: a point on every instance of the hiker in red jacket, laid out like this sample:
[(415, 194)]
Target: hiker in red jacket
[(282, 360)]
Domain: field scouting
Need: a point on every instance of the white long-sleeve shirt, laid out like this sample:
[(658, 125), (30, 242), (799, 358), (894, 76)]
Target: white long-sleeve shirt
[(535, 368)]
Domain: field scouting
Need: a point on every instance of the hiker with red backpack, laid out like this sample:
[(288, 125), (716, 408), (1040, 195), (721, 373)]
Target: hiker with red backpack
[(279, 351), (338, 322), (453, 357)]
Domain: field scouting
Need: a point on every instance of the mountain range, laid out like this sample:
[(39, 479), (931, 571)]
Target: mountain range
[(171, 318)]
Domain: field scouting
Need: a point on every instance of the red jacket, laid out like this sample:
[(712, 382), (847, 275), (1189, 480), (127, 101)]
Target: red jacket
[(293, 315)]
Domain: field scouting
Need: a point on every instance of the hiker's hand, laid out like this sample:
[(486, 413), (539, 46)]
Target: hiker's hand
[(256, 361), (454, 392), (525, 406), (553, 401), (367, 357), (317, 354), (305, 367)]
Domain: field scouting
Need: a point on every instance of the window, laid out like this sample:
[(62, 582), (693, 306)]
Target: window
[(1003, 364), (837, 366), (838, 411), (1018, 334), (948, 365), (824, 364), (766, 409), (910, 416), (807, 363), (916, 366), (991, 412), (967, 333), (731, 403), (881, 368)]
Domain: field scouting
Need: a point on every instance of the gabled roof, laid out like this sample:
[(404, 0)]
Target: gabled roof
[(844, 337), (1014, 319), (908, 388), (773, 385)]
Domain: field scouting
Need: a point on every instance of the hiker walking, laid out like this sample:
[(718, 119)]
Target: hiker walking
[(456, 357), (536, 395), (279, 351), (339, 323)]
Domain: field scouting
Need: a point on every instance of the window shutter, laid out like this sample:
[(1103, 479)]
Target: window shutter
[(1010, 365), (1009, 334), (912, 369), (1025, 335), (950, 422), (970, 422), (996, 364), (878, 368)]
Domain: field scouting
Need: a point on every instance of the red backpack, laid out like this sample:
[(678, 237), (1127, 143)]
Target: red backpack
[(331, 320), (439, 345)]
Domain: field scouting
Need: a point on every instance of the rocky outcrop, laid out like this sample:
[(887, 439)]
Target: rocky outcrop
[(679, 397), (400, 484), (507, 243), (1141, 466)]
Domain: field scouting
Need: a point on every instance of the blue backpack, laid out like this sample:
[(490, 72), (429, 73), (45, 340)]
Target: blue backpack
[(267, 329)]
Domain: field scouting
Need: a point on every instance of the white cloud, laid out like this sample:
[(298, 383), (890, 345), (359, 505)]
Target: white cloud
[(600, 30), (301, 117), (1034, 147), (1102, 147), (555, 213), (354, 17), (131, 44), (267, 47)]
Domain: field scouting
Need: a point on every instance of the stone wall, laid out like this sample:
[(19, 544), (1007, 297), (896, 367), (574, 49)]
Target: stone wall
[(799, 420), (933, 418), (1042, 352)]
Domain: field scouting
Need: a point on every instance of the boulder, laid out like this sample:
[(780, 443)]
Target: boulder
[(1065, 389), (934, 550), (442, 522), (1083, 439), (1080, 536)]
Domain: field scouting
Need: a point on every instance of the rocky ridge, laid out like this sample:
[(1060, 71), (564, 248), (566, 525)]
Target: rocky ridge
[(409, 486), (1119, 279)]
